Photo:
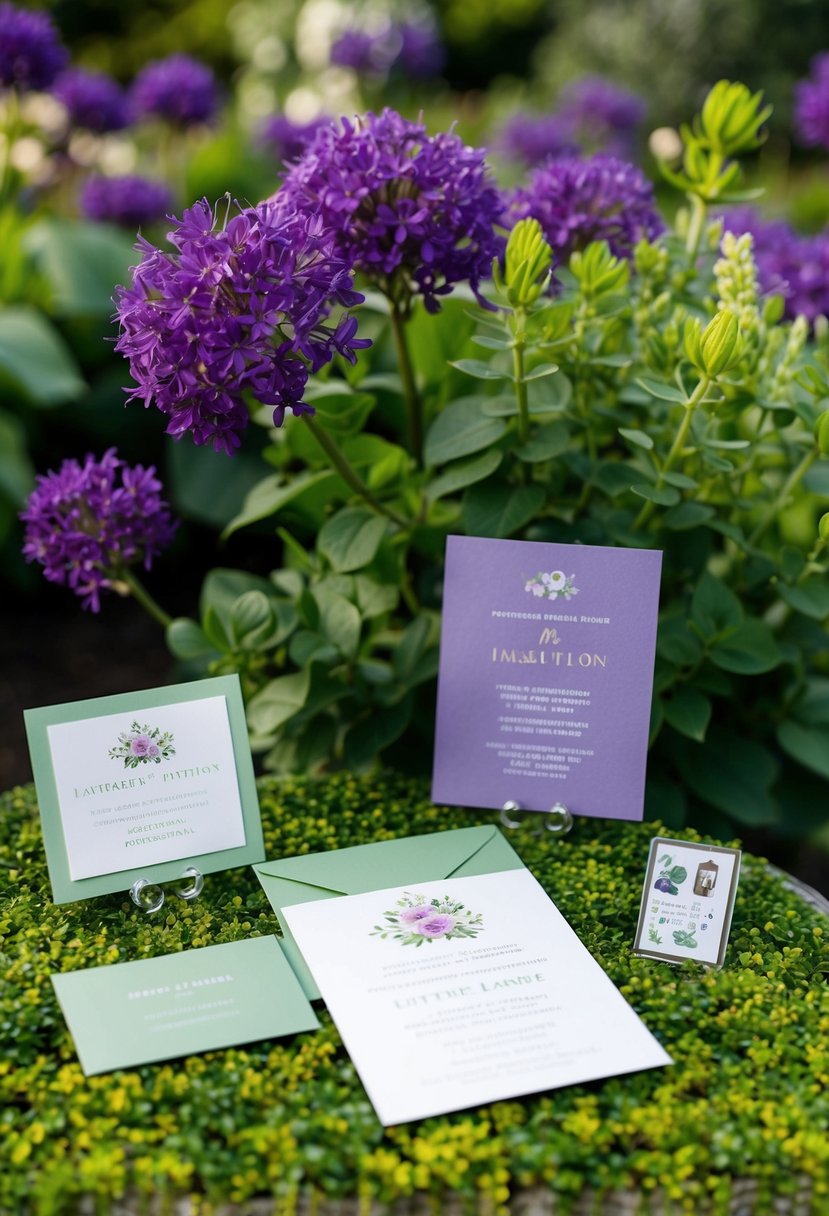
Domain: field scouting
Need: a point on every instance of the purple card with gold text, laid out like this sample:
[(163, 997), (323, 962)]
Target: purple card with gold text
[(546, 676)]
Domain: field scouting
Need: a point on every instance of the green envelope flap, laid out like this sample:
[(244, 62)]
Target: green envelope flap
[(373, 867)]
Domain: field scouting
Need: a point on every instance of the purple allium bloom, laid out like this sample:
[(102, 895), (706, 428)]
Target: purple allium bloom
[(87, 522), (410, 916), (178, 89), (416, 213), (788, 263), (597, 199), (435, 926), (232, 312), (31, 54), (359, 50), (131, 202), (287, 139), (421, 52), (811, 110), (93, 100), (601, 114), (533, 138)]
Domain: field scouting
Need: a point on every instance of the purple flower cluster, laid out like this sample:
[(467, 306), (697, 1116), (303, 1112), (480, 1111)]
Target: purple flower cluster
[(788, 263), (533, 138), (86, 523), (412, 48), (130, 202), (287, 139), (601, 115), (811, 110), (597, 199), (178, 89), (415, 213), (233, 312), (593, 115), (93, 100), (31, 54)]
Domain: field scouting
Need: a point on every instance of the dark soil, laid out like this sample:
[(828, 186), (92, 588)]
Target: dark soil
[(52, 651)]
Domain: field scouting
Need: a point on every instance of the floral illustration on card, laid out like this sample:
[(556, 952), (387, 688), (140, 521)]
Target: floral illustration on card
[(417, 919), (142, 745), (553, 586), (671, 877)]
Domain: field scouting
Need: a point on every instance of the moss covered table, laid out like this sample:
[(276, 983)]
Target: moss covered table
[(735, 1126)]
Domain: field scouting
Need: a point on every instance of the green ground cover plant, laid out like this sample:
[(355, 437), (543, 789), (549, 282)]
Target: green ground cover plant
[(745, 1099)]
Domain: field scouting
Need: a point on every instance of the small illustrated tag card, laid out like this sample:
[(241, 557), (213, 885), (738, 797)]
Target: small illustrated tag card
[(687, 902), (197, 1000), (143, 785), (546, 676)]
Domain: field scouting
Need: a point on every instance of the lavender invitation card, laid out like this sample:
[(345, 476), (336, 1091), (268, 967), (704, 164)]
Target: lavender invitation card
[(546, 675)]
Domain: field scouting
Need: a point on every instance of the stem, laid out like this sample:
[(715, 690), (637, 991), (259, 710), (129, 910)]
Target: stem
[(518, 379), (13, 127), (676, 447), (699, 210), (142, 595), (414, 412), (348, 474), (783, 497)]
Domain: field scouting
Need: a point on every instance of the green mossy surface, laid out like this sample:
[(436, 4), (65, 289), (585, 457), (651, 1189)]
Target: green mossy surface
[(746, 1097)]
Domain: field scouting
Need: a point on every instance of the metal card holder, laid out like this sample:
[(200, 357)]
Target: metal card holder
[(149, 896), (558, 820)]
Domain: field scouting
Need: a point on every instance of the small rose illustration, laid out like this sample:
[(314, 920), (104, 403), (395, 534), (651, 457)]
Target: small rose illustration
[(140, 745), (416, 920)]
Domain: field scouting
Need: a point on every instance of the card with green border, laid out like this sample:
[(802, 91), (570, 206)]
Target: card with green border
[(180, 1004), (144, 785)]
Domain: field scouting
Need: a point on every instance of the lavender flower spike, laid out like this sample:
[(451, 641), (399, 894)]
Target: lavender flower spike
[(86, 523), (31, 54), (234, 312), (178, 89), (580, 201), (415, 213), (811, 111)]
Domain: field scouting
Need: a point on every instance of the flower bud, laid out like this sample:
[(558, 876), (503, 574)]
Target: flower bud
[(716, 348), (731, 118), (823, 527), (598, 271), (822, 433), (527, 262)]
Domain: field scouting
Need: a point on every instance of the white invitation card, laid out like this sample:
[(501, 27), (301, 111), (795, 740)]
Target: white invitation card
[(464, 991)]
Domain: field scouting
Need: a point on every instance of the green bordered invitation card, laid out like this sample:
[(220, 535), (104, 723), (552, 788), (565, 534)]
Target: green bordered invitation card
[(143, 785), (198, 1000)]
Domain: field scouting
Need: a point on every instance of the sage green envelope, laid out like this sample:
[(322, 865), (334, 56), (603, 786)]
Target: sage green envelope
[(373, 867)]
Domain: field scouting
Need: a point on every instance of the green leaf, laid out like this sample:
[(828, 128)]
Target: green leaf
[(665, 496), (339, 622), (540, 372), (678, 644), (750, 650), (465, 473), (688, 711), (714, 607), (251, 618), (351, 538), (209, 486), (272, 493), (686, 515), (375, 599), (83, 264), (479, 369), (278, 701), (548, 442), (186, 640), (34, 359), (460, 429), (411, 647), (809, 745), (369, 735), (733, 774), (17, 476), (664, 392), (340, 410), (680, 480), (678, 874), (497, 509), (810, 597), (223, 587), (639, 439)]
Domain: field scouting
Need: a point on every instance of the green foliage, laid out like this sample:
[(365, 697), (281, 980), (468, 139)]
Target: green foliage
[(289, 1118)]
